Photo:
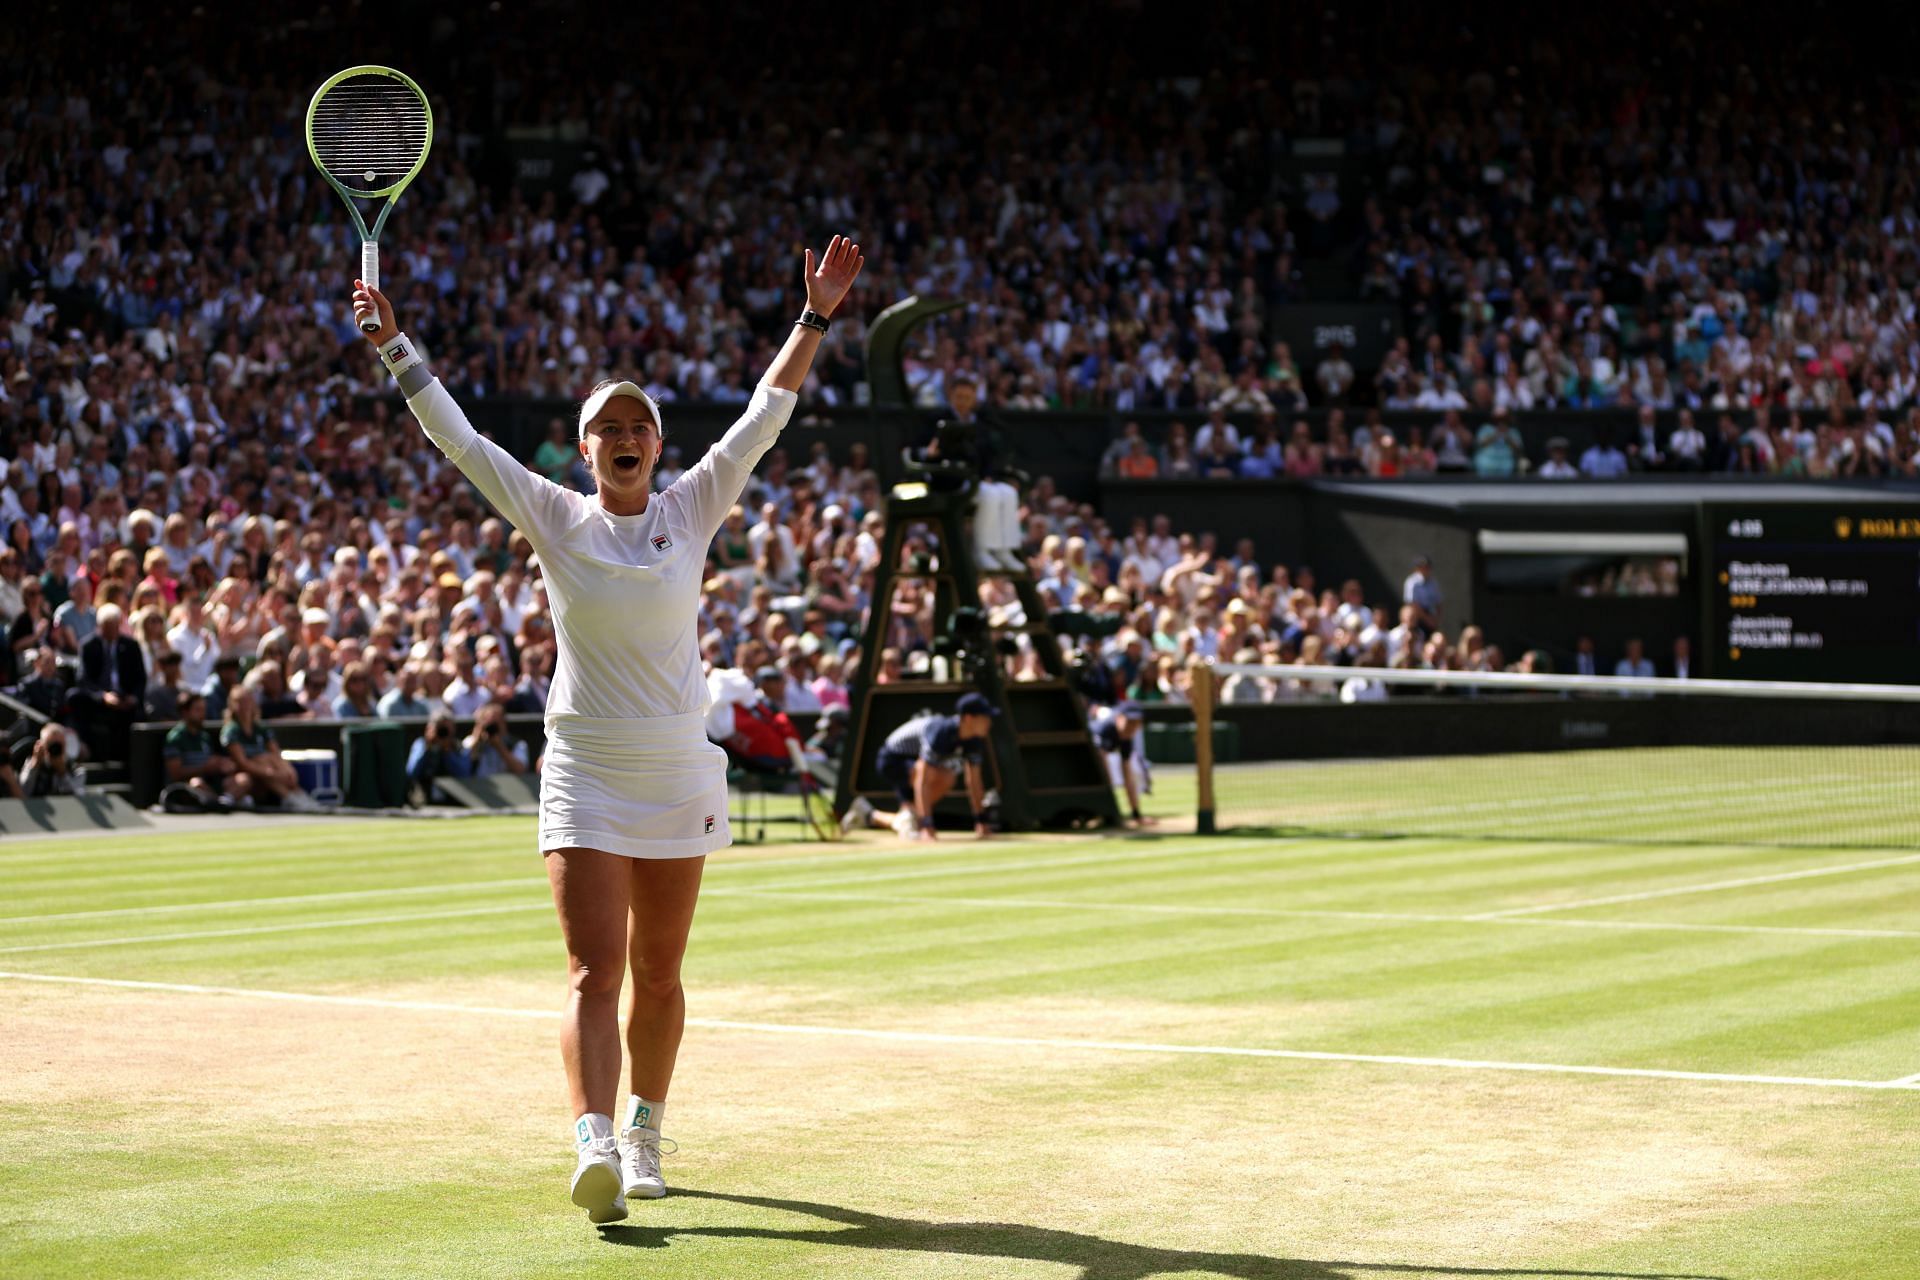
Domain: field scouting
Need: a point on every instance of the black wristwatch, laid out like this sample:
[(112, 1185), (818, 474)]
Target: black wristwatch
[(813, 320)]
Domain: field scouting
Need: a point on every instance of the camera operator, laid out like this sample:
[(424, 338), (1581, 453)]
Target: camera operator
[(436, 754), (489, 749), (49, 770)]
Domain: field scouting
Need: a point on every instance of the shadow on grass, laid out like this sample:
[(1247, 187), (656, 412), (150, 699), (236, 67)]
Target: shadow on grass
[(1097, 1259)]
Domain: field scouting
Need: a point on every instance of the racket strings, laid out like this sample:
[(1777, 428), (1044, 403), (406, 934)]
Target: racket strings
[(369, 132)]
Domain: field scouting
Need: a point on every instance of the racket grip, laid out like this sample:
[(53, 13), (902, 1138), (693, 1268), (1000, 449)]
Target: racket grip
[(370, 276)]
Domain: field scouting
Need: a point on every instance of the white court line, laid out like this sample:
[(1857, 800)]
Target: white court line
[(1024, 1042), (1906, 1082), (1778, 878), (1307, 913)]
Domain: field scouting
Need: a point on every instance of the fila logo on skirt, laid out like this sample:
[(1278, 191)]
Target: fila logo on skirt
[(709, 824)]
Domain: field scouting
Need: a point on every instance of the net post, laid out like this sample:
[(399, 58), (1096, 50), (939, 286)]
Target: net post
[(1203, 744)]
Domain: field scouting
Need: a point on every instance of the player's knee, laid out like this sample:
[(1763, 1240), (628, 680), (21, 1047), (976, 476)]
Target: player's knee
[(595, 978), (656, 977)]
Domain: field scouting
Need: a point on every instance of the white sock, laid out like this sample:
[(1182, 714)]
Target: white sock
[(644, 1113), (590, 1126)]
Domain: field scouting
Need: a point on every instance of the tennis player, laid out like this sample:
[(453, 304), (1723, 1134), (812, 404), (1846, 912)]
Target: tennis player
[(633, 796)]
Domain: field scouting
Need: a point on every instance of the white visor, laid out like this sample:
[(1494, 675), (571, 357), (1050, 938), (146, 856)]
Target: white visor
[(598, 401)]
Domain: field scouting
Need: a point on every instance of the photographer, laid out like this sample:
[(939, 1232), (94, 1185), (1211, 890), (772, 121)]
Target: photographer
[(436, 754), (49, 770), (489, 749)]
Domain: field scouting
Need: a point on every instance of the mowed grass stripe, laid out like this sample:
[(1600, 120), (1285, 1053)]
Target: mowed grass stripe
[(1761, 880), (1410, 919), (104, 881), (1691, 1004), (107, 924), (975, 1039)]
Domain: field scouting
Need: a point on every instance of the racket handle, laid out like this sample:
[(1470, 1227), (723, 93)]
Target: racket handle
[(370, 276)]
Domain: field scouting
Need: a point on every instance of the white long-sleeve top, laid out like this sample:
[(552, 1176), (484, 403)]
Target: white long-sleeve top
[(624, 589)]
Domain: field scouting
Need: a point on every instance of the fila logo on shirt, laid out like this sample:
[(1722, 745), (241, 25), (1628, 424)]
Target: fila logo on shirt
[(709, 824), (661, 542)]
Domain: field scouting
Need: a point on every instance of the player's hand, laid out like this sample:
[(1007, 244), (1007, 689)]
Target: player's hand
[(829, 281), (371, 302)]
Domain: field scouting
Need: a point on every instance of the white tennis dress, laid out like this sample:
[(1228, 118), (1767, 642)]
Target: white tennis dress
[(629, 768)]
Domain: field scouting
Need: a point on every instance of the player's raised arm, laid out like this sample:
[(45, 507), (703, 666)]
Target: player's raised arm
[(713, 485), (827, 282), (537, 507)]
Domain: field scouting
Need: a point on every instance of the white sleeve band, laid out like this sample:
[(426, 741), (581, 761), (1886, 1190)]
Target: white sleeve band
[(399, 354)]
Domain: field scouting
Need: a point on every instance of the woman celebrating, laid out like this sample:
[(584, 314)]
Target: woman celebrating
[(633, 796)]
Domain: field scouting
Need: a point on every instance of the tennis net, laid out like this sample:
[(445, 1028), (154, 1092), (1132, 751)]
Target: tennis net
[(1372, 751)]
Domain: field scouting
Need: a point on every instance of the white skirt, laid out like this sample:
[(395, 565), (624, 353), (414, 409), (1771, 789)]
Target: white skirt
[(648, 787)]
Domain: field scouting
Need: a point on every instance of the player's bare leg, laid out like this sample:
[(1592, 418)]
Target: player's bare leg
[(664, 893)]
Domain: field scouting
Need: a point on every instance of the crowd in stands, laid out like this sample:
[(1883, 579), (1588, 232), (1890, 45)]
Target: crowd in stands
[(207, 485), (1119, 244)]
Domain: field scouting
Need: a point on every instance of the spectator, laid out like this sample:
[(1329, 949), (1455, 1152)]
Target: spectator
[(1334, 376), (1122, 446), (436, 754), (44, 690), (226, 675), (1556, 467), (1498, 449), (192, 757), (403, 699), (195, 643), (761, 729), (50, 770), (1603, 460), (1682, 658), (166, 690), (1635, 662), (1217, 428), (262, 776), (12, 582), (356, 699), (490, 749), (1583, 659), (1422, 591), (73, 622), (30, 630), (1138, 463), (112, 689), (1687, 447)]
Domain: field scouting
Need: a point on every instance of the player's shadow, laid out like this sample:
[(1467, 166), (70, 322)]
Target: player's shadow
[(1097, 1259)]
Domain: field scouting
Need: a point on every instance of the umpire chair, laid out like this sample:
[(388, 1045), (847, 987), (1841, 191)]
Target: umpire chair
[(1043, 762)]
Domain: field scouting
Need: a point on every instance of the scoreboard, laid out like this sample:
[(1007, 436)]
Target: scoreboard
[(1817, 592)]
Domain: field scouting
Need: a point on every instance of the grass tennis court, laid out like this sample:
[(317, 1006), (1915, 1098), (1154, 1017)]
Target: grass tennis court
[(1104, 1057), (1826, 797)]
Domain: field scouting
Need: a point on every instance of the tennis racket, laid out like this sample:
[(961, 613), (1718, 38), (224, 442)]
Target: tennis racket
[(369, 130)]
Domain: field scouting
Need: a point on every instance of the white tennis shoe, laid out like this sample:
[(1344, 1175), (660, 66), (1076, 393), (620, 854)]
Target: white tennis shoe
[(857, 815), (596, 1182), (640, 1164)]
